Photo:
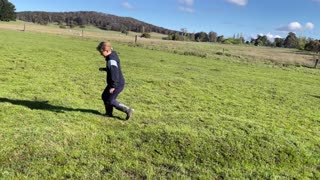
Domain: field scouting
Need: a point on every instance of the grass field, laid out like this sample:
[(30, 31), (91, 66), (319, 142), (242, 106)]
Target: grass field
[(196, 118)]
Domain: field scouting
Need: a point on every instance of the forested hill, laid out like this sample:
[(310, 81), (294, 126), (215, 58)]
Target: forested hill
[(83, 18)]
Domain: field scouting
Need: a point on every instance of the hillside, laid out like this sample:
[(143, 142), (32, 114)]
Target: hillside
[(83, 18)]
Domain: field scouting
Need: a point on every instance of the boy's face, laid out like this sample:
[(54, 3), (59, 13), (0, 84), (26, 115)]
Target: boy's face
[(106, 50), (104, 53)]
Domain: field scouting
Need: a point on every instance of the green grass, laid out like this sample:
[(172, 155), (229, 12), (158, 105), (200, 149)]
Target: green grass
[(195, 117)]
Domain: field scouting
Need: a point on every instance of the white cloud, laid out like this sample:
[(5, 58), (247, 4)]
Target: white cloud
[(238, 2), (127, 5), (271, 37), (186, 2), (187, 6), (309, 25), (253, 36), (185, 9), (296, 26)]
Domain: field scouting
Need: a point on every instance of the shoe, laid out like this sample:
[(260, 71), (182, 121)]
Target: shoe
[(107, 115), (129, 113)]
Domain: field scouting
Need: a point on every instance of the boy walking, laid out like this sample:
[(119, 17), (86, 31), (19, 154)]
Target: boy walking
[(115, 81)]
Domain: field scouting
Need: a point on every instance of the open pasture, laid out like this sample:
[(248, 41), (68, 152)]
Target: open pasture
[(213, 117)]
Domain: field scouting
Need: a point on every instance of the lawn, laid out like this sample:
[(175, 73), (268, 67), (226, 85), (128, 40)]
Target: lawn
[(195, 118)]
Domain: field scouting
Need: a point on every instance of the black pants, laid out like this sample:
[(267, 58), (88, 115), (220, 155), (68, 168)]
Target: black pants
[(111, 99)]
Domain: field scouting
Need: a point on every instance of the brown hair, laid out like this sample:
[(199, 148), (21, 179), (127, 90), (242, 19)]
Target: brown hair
[(104, 46)]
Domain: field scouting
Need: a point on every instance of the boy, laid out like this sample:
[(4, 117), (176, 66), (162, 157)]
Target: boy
[(115, 81)]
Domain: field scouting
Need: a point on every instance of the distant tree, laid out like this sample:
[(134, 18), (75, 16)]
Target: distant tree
[(145, 35), (124, 29), (192, 37), (313, 45), (302, 41), (262, 41), (258, 42), (213, 36), (278, 42), (201, 37), (7, 11), (291, 41), (175, 36)]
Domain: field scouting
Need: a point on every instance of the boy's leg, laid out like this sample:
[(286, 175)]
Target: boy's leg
[(112, 99), (109, 110), (108, 107)]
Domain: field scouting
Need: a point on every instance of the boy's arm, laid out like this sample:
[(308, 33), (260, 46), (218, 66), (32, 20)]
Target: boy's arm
[(114, 69), (102, 69)]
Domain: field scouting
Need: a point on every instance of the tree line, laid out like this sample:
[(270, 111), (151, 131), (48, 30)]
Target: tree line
[(84, 18), (291, 41)]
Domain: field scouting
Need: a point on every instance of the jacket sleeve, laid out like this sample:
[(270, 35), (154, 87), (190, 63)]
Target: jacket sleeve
[(114, 72)]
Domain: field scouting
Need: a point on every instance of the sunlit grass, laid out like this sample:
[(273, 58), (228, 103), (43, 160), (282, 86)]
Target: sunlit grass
[(195, 117)]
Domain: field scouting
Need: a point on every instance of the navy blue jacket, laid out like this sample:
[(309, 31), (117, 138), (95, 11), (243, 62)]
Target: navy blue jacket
[(114, 74)]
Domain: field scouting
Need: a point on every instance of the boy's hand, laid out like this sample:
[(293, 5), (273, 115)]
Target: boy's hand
[(102, 69), (111, 91)]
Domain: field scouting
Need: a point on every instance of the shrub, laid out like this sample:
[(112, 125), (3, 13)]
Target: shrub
[(125, 32), (146, 35)]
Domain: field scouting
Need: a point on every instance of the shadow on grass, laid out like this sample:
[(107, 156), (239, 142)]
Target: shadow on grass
[(315, 96), (44, 105)]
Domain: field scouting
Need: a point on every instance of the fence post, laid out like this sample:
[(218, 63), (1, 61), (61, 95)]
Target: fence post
[(135, 41), (315, 66)]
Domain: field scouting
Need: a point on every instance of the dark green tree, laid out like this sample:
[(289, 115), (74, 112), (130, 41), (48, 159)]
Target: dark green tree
[(145, 35), (313, 46), (7, 11), (201, 37), (291, 41), (278, 42), (262, 41), (175, 36)]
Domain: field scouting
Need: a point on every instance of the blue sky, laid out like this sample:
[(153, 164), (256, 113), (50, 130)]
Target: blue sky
[(274, 18)]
